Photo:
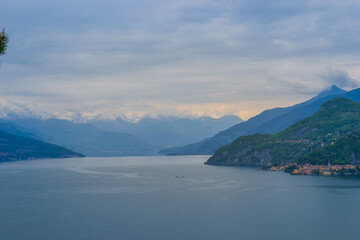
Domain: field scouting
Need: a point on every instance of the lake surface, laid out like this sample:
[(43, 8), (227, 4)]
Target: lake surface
[(141, 198)]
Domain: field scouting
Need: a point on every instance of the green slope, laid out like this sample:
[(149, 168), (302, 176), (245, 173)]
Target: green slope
[(300, 142), (13, 147), (343, 151)]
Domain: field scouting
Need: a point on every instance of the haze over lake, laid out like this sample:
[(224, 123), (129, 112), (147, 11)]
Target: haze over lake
[(147, 198)]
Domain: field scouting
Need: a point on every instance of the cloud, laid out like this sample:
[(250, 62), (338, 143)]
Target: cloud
[(340, 78), (202, 56)]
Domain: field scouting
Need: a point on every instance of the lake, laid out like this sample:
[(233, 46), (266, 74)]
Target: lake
[(171, 198)]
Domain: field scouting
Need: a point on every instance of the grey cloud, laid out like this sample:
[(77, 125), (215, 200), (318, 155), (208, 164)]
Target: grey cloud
[(165, 53), (340, 78)]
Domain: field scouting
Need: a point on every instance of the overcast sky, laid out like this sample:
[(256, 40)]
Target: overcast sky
[(202, 57)]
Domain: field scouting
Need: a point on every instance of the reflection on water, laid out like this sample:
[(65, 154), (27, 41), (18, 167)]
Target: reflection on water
[(337, 186), (88, 171), (142, 198)]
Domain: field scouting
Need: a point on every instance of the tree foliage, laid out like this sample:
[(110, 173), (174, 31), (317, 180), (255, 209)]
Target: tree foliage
[(4, 39)]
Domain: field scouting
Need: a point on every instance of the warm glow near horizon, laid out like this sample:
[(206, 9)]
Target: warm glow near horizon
[(135, 58)]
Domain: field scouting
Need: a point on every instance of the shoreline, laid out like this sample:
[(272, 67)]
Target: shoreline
[(317, 170), (305, 169)]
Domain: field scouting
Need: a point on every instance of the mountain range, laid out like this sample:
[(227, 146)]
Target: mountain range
[(331, 134), (80, 137), (269, 121), (169, 131), (117, 137)]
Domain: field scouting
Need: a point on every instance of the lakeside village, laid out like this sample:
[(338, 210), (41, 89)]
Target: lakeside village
[(318, 170)]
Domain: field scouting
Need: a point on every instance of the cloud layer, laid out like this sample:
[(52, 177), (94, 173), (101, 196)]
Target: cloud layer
[(176, 57)]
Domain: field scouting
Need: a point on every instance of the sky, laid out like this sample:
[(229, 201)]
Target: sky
[(166, 57)]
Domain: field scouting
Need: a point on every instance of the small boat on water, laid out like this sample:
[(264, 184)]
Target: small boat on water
[(179, 176)]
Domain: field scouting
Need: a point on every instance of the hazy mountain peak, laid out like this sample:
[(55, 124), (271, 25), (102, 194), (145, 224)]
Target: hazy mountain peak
[(230, 116), (332, 90), (17, 111)]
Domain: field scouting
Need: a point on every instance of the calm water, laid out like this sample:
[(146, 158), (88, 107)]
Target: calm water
[(141, 198)]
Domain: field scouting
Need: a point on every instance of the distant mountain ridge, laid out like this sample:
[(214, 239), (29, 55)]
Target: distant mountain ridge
[(85, 138), (269, 121), (116, 137), (101, 137), (331, 134), (13, 147), (169, 131)]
